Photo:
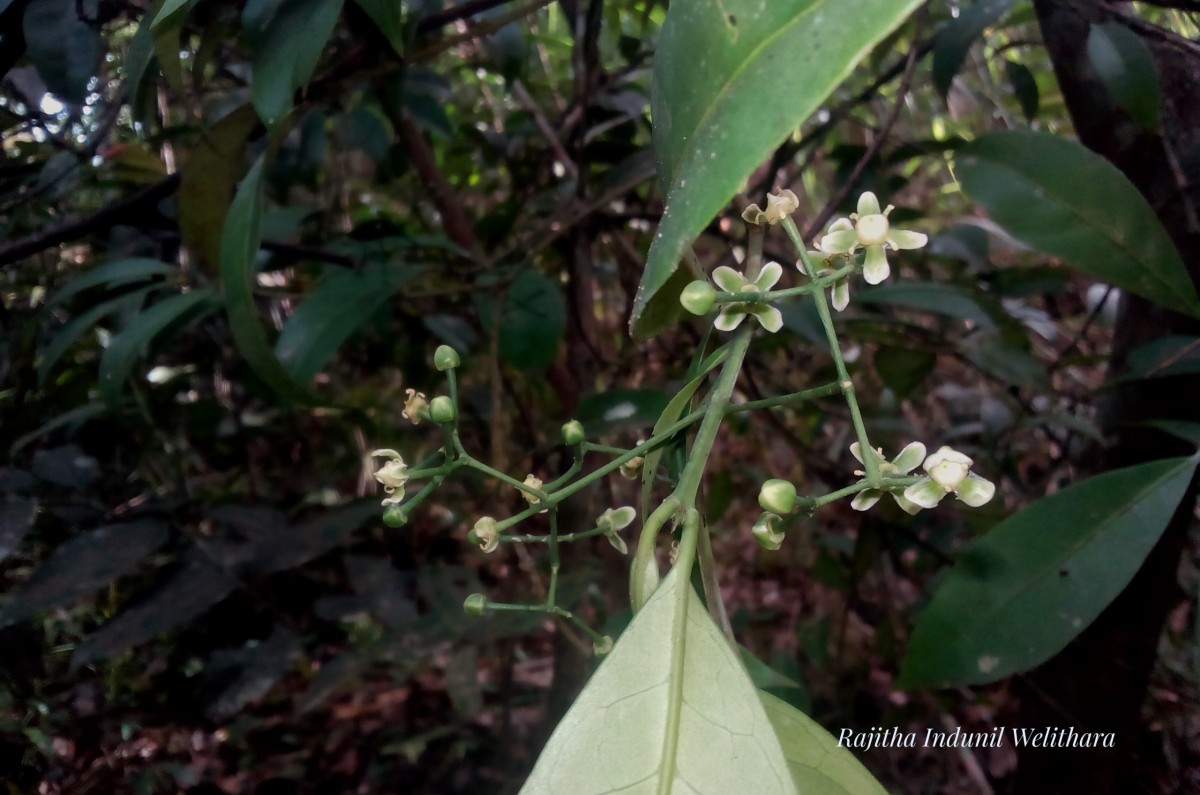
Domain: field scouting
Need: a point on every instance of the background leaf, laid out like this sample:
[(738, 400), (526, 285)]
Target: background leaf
[(954, 39), (83, 564), (1125, 65), (613, 735), (64, 48), (711, 127), (288, 54), (1025, 88), (1036, 580), (112, 274), (1055, 195), (533, 322)]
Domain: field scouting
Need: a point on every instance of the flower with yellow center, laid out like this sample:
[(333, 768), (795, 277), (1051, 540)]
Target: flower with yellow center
[(414, 406), (733, 313), (872, 232), (908, 460), (393, 475), (949, 472)]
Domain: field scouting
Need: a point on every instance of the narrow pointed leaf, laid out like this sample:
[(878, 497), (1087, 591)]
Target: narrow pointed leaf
[(818, 764), (288, 54), (1036, 580), (112, 274), (69, 334), (954, 39), (617, 736), (1057, 196), (719, 62), (1125, 65), (83, 564)]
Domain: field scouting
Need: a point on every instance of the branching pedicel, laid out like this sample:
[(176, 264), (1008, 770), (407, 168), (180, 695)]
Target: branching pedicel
[(854, 244)]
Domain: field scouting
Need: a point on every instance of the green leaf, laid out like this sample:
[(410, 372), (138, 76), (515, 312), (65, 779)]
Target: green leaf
[(669, 710), (288, 54), (322, 323), (534, 319), (240, 240), (61, 342), (606, 411), (64, 48), (171, 13), (1162, 358), (1036, 580), (112, 274), (127, 346), (1000, 358), (903, 369), (954, 39), (1025, 88), (817, 763), (718, 64), (83, 564), (1055, 195), (386, 16), (938, 298), (1125, 66)]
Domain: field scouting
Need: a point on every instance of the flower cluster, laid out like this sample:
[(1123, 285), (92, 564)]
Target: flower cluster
[(948, 472)]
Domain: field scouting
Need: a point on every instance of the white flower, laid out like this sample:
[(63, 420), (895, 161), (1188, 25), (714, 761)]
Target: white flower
[(779, 206), (533, 482), (766, 532), (902, 464), (392, 475), (485, 534), (950, 473), (733, 313), (414, 406), (872, 232), (839, 294), (612, 521)]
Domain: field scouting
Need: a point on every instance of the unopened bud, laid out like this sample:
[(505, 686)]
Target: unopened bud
[(572, 433), (445, 358), (698, 297), (765, 533), (777, 496), (475, 604), (395, 516), (441, 410)]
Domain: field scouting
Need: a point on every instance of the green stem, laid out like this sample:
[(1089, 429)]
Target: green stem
[(552, 591), (884, 484), (683, 592), (784, 400), (769, 296), (542, 539), (860, 429), (712, 589)]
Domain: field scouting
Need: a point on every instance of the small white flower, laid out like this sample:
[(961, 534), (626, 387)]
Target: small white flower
[(872, 232), (414, 405), (779, 206), (485, 534), (732, 314), (614, 520), (766, 532), (908, 460), (839, 294), (393, 475), (533, 482), (950, 473)]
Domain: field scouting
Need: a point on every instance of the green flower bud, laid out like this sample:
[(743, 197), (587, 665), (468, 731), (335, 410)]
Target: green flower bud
[(475, 604), (572, 433), (441, 410), (603, 646), (395, 516), (777, 496), (765, 533), (445, 358), (697, 298)]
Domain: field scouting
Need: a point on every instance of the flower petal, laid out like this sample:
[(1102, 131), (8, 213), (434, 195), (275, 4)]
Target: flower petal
[(906, 505), (876, 269), (622, 517), (865, 499), (976, 491), (728, 279), (902, 238), (856, 451), (840, 294), (768, 317), (768, 276), (910, 458), (617, 542), (731, 317), (839, 241), (925, 493), (868, 204)]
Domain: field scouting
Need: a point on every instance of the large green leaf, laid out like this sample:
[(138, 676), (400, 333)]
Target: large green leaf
[(1055, 195), (123, 351), (240, 240), (322, 323), (1036, 580), (288, 54), (112, 274), (1125, 65), (818, 764), (386, 16), (67, 336), (669, 710), (171, 12), (719, 67)]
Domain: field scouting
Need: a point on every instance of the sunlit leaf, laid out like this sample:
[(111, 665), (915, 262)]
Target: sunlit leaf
[(669, 710), (1019, 594), (817, 763), (83, 564), (719, 62), (1057, 196)]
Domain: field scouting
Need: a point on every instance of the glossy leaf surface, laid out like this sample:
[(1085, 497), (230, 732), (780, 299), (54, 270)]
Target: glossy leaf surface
[(1057, 196), (816, 762), (634, 715), (715, 120), (1020, 593)]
